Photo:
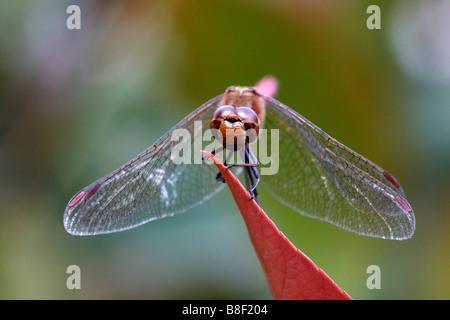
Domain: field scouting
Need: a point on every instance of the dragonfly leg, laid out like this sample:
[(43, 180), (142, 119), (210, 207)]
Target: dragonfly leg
[(252, 180), (219, 176), (252, 173), (252, 177), (247, 162)]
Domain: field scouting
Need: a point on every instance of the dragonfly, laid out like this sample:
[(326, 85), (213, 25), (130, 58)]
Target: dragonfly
[(316, 176)]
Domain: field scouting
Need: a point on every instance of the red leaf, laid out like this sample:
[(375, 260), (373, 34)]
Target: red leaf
[(290, 274)]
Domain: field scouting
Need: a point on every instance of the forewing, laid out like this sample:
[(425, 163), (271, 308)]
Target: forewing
[(321, 178), (150, 186)]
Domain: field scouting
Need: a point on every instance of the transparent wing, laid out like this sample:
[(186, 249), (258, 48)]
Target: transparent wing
[(321, 178), (150, 186)]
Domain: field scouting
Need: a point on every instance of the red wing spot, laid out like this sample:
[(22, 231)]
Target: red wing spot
[(391, 179), (92, 192), (76, 198), (404, 203)]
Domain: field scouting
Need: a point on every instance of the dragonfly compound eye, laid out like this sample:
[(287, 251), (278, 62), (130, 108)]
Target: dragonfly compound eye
[(235, 126), (251, 122)]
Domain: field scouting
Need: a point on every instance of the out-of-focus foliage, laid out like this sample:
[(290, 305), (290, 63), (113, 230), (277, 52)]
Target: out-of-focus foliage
[(76, 104)]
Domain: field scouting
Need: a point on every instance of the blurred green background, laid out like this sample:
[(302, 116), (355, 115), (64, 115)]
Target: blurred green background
[(76, 104)]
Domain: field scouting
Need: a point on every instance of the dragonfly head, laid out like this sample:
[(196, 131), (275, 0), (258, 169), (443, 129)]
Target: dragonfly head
[(235, 127)]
